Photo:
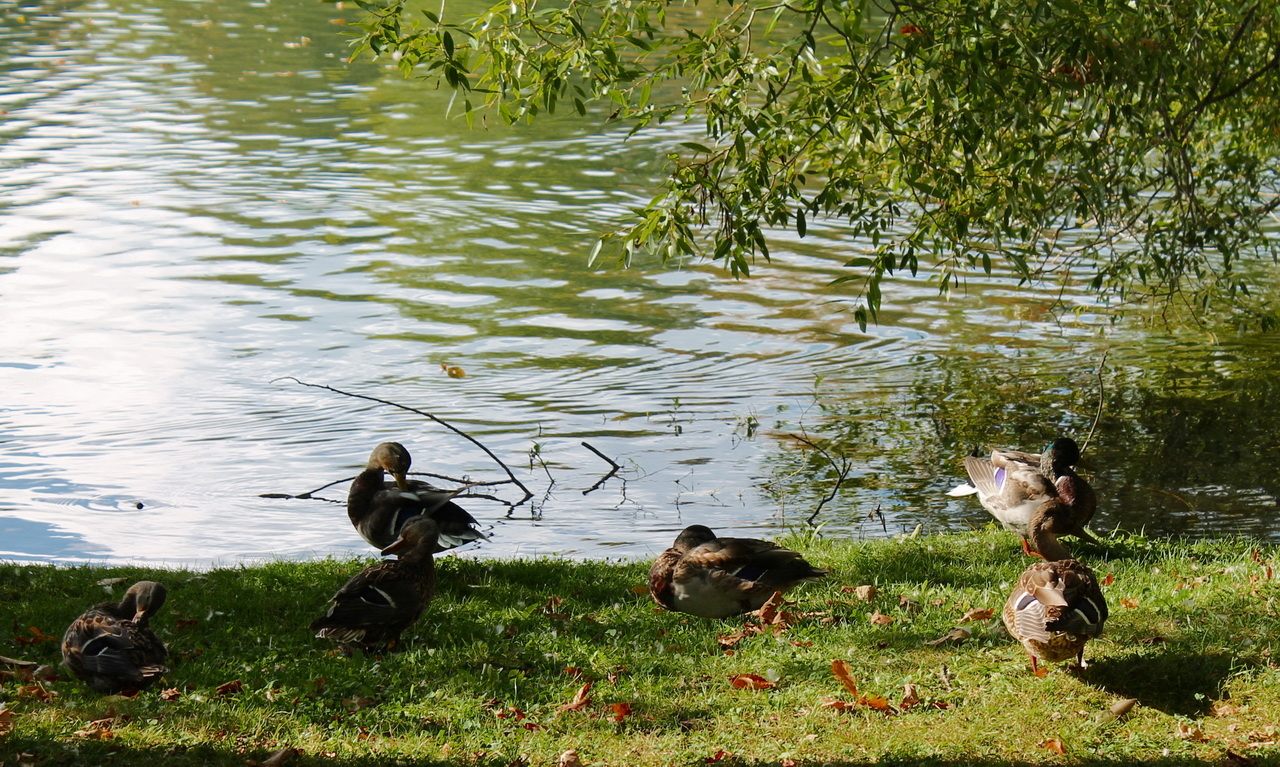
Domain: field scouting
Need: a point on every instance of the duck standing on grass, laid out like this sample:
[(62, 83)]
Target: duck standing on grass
[(112, 648), (1015, 486), (718, 577), (1055, 608), (380, 602), (379, 509)]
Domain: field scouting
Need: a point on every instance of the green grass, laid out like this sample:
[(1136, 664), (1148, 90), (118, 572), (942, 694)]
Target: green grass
[(481, 679)]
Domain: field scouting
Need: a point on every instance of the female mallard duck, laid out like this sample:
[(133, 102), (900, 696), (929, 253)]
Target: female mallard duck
[(379, 509), (717, 577), (1014, 486), (111, 646), (1054, 609), (378, 603)]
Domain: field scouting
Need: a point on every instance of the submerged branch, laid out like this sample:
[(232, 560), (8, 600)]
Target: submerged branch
[(511, 475), (614, 470)]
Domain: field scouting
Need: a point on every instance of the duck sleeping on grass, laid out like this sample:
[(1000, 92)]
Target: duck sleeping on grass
[(378, 603), (718, 577), (112, 648), (1054, 609), (379, 509), (1014, 486)]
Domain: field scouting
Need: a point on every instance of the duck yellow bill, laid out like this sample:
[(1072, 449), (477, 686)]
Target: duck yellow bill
[(401, 481)]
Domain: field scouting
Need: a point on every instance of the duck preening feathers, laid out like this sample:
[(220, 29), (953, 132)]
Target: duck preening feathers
[(380, 602), (112, 648), (1015, 487), (379, 509), (1054, 609), (718, 577)]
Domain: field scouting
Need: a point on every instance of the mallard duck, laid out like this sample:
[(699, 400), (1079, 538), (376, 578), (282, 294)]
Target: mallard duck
[(379, 509), (378, 603), (717, 577), (1055, 608), (1014, 486), (111, 646)]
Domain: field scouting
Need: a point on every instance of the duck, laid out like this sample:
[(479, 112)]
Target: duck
[(1015, 487), (1054, 609), (376, 605), (713, 577), (111, 646), (379, 509)]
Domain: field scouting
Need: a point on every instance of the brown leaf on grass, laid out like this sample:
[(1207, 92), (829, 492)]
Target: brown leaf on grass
[(880, 619), (864, 593), (37, 691), (1110, 579), (751, 682), (718, 756), (569, 759), (580, 700), (788, 762), (1130, 602), (641, 590), (1152, 640), (771, 609), (1122, 707), (909, 697), (840, 669), (978, 614), (727, 641), (619, 711), (1222, 708), (229, 688), (957, 634), (573, 671), (837, 704), (1054, 745), (357, 702), (37, 636), (1190, 732), (909, 605), (278, 757), (878, 703), (94, 733), (6, 721), (171, 694)]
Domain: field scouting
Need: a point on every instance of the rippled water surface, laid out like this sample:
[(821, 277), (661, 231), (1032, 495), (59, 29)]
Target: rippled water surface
[(201, 200)]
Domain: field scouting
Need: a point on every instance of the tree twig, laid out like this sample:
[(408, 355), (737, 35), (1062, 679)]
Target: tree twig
[(1102, 399), (614, 470), (437, 419), (842, 469)]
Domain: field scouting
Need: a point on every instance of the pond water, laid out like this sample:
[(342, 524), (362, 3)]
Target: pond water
[(203, 201)]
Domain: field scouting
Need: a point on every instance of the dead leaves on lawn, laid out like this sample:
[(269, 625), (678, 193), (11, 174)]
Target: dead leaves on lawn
[(771, 619)]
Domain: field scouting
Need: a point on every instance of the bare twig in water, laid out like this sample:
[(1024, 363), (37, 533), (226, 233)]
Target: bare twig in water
[(309, 493), (1102, 399), (607, 460), (842, 468), (437, 419), (877, 513)]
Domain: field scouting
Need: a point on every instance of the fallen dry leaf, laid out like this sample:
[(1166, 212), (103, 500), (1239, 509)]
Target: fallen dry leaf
[(751, 682), (619, 711), (1054, 745), (37, 691), (171, 694), (1223, 708), (840, 669), (229, 688), (878, 703), (1130, 603), (1110, 579), (94, 733), (580, 700), (570, 759), (978, 614), (6, 721), (788, 762), (957, 634), (357, 702), (909, 697), (278, 757), (865, 593), (1190, 732), (718, 756), (1122, 707), (880, 619), (909, 605), (641, 590)]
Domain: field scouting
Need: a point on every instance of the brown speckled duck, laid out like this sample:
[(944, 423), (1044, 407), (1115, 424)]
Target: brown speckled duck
[(718, 577), (1014, 486), (1054, 609), (379, 509), (380, 602), (111, 646)]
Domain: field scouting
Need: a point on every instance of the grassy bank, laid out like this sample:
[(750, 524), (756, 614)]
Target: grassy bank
[(488, 676)]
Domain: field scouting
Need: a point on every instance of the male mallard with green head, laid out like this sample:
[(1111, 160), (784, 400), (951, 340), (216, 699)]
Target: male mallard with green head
[(381, 601), (718, 577), (1054, 609), (1013, 486), (112, 648), (379, 509)]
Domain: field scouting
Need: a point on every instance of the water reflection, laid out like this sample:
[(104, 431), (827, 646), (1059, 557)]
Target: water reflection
[(201, 199)]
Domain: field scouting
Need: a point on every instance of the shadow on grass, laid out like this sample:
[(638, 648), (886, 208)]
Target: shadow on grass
[(30, 751), (1181, 683)]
